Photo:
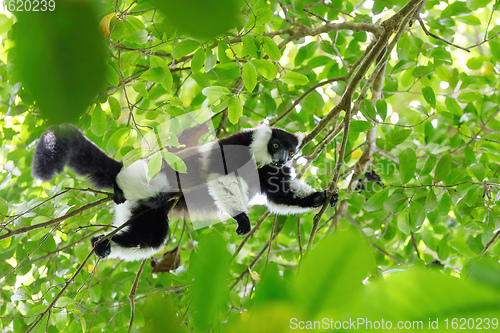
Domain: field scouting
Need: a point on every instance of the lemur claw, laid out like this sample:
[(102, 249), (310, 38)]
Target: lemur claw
[(334, 199), (101, 249), (244, 226)]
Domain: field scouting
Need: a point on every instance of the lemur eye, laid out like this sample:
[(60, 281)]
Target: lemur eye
[(276, 146), (291, 153)]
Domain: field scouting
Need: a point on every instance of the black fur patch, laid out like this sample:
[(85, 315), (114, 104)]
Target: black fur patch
[(66, 145)]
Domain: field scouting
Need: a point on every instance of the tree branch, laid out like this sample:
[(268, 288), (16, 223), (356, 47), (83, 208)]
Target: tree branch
[(132, 293), (56, 220)]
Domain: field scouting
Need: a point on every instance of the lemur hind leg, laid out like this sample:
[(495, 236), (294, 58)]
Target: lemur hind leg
[(145, 233)]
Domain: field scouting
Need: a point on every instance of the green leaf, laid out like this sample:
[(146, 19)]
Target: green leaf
[(159, 314), (168, 80), (4, 207), (221, 52), (360, 126), (462, 248), (416, 216), (174, 161), (332, 275), (403, 224), (423, 296), (272, 50), (400, 136), (431, 202), (263, 15), (395, 202), (132, 156), (475, 63), (5, 243), (199, 18), (114, 105), (429, 96), (209, 290), (381, 107), (294, 78), (456, 8), (215, 91), (140, 87), (116, 140), (370, 109), (478, 171), (60, 58), (198, 61), (250, 46), (407, 165), (210, 61), (444, 204), (453, 106), (98, 121), (112, 76), (443, 168), (456, 175), (184, 47), (235, 109), (429, 165), (249, 75), (154, 165), (443, 249), (156, 61), (155, 75), (469, 156), (128, 60), (376, 201), (266, 68)]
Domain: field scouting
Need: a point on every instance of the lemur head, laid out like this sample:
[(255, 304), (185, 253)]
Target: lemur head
[(274, 146)]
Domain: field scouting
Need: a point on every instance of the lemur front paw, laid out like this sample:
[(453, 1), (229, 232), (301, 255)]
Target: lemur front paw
[(118, 196), (319, 198), (334, 200), (101, 249), (244, 226)]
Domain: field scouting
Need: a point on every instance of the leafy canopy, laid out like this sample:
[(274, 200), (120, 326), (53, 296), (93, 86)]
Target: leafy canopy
[(398, 100)]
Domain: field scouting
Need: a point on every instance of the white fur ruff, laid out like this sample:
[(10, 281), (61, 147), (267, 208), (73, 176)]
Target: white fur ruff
[(300, 137), (260, 139), (135, 183)]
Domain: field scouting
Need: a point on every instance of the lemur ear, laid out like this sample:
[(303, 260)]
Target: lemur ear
[(300, 136)]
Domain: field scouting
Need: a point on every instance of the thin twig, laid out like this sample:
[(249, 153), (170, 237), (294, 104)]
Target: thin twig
[(66, 285), (132, 293), (490, 243), (251, 233), (56, 220), (272, 232)]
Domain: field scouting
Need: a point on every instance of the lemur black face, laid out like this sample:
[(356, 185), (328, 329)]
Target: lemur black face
[(282, 147)]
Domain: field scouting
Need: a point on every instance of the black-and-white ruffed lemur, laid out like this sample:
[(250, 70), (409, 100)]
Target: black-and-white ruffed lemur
[(218, 184)]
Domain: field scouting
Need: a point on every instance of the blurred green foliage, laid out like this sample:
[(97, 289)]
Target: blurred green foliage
[(419, 245)]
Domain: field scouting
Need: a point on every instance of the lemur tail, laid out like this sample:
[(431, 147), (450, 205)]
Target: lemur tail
[(65, 145)]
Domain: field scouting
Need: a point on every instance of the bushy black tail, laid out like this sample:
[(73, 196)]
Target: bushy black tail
[(65, 145)]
